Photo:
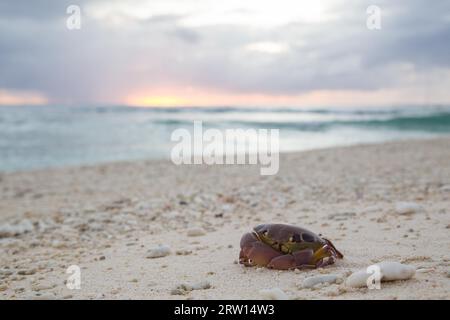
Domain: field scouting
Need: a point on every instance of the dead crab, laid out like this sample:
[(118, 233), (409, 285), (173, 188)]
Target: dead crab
[(281, 246)]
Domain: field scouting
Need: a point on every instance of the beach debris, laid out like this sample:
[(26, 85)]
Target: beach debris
[(115, 291), (12, 230), (43, 286), (405, 208), (195, 232), (372, 209), (42, 297), (158, 251), (342, 216), (389, 271), (392, 271), (26, 272), (425, 270), (178, 292), (185, 288), (358, 279), (183, 252), (286, 247), (311, 282), (273, 294), (5, 272)]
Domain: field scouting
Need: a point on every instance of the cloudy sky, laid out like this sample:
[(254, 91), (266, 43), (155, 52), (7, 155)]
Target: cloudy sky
[(211, 52)]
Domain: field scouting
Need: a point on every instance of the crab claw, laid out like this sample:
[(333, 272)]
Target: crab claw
[(282, 262), (255, 253), (326, 255), (334, 251), (299, 259)]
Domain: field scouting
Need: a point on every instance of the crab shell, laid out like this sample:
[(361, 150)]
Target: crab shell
[(283, 247)]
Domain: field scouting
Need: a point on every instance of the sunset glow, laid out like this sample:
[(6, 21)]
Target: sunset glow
[(14, 98), (167, 53), (156, 101), (199, 97)]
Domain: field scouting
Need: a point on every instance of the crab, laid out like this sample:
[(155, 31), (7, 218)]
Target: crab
[(284, 247)]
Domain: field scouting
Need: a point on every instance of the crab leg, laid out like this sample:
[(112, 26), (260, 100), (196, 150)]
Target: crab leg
[(321, 253), (283, 262), (299, 259), (333, 248), (325, 262), (325, 255)]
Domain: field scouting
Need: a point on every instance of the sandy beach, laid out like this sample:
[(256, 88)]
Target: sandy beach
[(106, 218)]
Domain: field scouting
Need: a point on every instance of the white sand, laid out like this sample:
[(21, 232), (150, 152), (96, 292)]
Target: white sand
[(106, 218)]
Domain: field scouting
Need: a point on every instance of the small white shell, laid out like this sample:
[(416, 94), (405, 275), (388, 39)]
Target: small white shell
[(407, 208), (158, 252), (313, 281), (195, 232), (389, 271), (357, 279)]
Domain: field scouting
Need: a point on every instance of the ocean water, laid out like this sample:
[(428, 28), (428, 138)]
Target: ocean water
[(56, 136)]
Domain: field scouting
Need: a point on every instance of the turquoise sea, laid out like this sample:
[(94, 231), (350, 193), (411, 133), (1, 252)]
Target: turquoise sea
[(33, 137)]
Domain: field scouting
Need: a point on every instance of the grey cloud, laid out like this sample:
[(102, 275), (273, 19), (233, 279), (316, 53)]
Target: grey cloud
[(185, 34), (36, 9), (37, 52)]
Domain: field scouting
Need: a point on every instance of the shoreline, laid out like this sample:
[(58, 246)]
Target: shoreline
[(151, 161), (107, 217)]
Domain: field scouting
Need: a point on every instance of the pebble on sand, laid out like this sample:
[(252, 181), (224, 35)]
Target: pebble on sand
[(12, 230), (26, 272), (5, 272), (195, 232), (389, 271), (183, 252), (326, 278), (405, 208), (184, 288), (158, 252), (273, 294), (392, 271), (43, 286)]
